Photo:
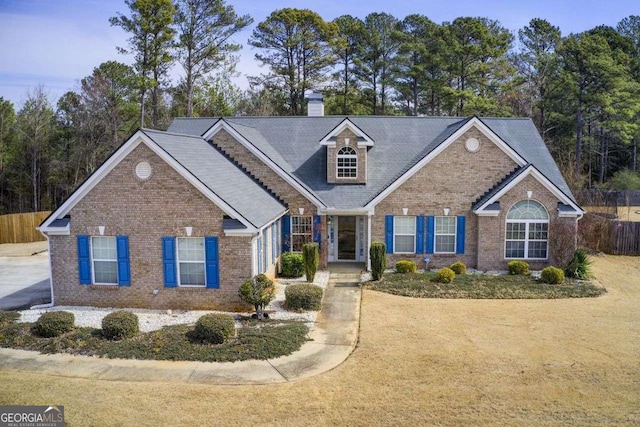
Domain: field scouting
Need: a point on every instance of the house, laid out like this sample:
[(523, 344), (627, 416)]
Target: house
[(179, 219)]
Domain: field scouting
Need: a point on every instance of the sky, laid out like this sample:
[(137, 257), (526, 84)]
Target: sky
[(55, 43)]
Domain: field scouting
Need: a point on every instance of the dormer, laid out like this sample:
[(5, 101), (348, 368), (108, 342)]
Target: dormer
[(347, 148)]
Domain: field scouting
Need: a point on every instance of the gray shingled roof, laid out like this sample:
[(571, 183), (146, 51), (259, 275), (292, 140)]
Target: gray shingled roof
[(400, 142), (220, 176)]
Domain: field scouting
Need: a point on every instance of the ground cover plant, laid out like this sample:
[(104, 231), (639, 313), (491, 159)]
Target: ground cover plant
[(255, 340), (482, 286)]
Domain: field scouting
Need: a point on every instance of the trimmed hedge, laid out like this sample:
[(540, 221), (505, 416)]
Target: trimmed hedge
[(120, 325), (458, 267), (552, 275), (445, 275), (53, 324), (378, 259), (406, 266), (291, 265), (311, 258), (303, 297), (215, 328), (518, 268)]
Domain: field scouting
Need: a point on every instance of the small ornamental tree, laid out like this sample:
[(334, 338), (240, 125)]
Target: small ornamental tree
[(378, 259), (311, 260), (258, 291)]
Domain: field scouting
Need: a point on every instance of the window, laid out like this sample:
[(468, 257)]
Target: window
[(445, 234), (301, 232), (191, 261), (404, 234), (527, 231), (105, 260), (347, 163)]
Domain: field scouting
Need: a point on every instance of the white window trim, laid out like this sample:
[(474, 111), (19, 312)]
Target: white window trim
[(292, 233), (436, 234), (346, 168), (395, 233), (93, 260), (203, 262), (526, 239)]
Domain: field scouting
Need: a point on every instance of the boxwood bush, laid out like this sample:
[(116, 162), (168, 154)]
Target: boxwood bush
[(215, 328), (445, 275), (552, 275), (120, 325), (53, 324), (291, 264), (406, 266), (458, 267), (303, 297), (518, 268)]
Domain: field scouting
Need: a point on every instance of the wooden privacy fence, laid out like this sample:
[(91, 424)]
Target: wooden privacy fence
[(21, 228), (609, 236)]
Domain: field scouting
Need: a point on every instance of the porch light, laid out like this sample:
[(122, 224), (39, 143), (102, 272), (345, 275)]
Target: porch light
[(188, 230), (405, 211), (529, 194), (301, 211), (101, 229), (446, 211)]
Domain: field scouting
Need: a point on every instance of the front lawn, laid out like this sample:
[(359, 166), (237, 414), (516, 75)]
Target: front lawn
[(255, 340), (482, 286)]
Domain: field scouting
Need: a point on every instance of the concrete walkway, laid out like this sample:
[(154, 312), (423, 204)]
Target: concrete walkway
[(333, 338)]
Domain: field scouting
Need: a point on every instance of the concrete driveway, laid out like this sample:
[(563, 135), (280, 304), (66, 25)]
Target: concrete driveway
[(24, 281)]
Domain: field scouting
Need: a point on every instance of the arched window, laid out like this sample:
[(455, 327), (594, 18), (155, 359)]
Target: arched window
[(347, 163), (527, 233)]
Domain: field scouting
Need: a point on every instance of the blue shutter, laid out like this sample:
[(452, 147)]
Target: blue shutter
[(317, 230), (430, 233), (419, 234), (273, 243), (211, 262), (84, 260), (460, 234), (286, 233), (124, 270), (169, 262), (388, 233)]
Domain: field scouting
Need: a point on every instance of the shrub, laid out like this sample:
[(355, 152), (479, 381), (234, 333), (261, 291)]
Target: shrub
[(215, 328), (519, 268), (291, 264), (259, 292), (580, 266), (378, 259), (53, 324), (8, 317), (303, 297), (445, 275), (406, 266), (119, 325), (311, 259), (459, 267), (552, 275)]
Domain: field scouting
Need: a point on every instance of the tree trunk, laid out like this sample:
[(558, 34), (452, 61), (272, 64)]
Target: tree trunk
[(602, 157), (576, 170), (635, 155)]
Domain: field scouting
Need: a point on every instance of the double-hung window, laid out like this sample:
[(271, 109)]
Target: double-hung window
[(347, 166), (301, 232), (190, 260), (527, 231), (404, 234), (104, 258), (445, 234)]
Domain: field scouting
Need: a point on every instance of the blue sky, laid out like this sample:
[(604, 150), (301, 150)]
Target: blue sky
[(55, 43)]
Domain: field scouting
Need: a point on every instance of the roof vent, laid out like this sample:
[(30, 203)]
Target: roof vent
[(315, 108)]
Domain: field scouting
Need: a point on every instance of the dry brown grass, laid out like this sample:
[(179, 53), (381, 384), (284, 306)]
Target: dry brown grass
[(625, 213), (419, 362)]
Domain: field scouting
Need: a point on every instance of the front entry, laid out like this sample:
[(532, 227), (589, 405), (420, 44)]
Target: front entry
[(346, 238)]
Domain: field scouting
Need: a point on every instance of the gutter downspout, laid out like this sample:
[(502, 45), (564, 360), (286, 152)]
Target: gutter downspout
[(51, 304), (368, 241)]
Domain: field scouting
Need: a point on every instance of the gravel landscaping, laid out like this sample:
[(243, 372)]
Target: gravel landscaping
[(151, 320)]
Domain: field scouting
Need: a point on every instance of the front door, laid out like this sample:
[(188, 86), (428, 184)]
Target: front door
[(346, 238)]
